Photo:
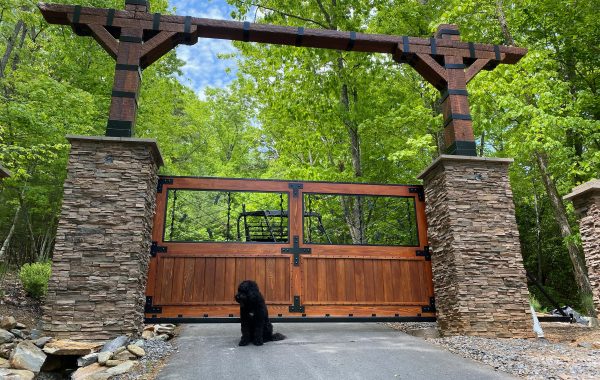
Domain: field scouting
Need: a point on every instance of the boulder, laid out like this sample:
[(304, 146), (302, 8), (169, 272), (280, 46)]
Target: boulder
[(8, 323), (136, 350), (596, 345), (115, 343), (113, 363), (87, 360), (163, 337), (147, 334), (69, 347), (20, 326), (6, 349), (103, 357), (28, 356), (118, 350), (15, 374), (17, 333), (6, 336), (121, 368), (4, 363), (165, 329), (124, 356), (41, 342), (93, 371), (139, 343), (35, 334)]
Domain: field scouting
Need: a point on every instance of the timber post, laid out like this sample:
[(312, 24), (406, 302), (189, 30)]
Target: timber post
[(586, 200)]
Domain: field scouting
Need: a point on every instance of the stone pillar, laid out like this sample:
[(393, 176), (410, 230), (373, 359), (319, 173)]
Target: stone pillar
[(101, 255), (478, 274), (586, 199)]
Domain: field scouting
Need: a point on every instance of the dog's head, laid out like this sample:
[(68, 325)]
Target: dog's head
[(248, 293)]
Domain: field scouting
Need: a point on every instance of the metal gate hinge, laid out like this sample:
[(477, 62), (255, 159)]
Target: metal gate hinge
[(296, 307), (155, 249), (296, 250), (420, 191), (149, 309), (431, 307), (426, 253)]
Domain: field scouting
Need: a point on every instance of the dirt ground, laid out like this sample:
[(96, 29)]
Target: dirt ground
[(14, 301)]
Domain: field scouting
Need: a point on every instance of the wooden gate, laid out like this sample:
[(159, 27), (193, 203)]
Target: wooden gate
[(318, 251)]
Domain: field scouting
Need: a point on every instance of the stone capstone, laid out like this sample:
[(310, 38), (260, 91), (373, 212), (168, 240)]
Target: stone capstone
[(478, 274), (28, 356), (101, 255), (69, 347)]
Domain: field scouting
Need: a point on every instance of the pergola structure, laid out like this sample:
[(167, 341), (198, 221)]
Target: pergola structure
[(136, 38)]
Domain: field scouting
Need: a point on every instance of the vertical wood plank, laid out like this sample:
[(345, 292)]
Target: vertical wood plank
[(199, 279), (260, 275), (220, 280), (331, 280), (359, 273), (387, 282), (321, 280), (350, 280), (369, 281), (177, 291), (230, 280), (167, 281), (378, 280), (283, 281), (340, 280), (188, 280), (270, 279), (209, 292)]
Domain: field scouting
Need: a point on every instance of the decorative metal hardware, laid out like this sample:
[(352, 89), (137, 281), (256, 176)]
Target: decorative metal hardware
[(296, 187), (161, 182), (431, 307), (150, 309), (296, 250), (296, 307), (419, 191), (426, 253), (155, 249)]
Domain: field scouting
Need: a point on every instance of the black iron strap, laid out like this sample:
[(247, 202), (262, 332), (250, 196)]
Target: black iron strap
[(405, 44), (497, 52), (246, 31), (351, 42), (110, 17), (130, 39), (137, 2), (126, 67), (433, 46), (454, 66), (156, 21), (449, 92), (124, 94), (119, 124), (76, 14), (472, 50), (456, 116), (187, 26), (299, 36), (449, 31)]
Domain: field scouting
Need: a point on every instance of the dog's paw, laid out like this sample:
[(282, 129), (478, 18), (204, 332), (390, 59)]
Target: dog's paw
[(244, 342), (258, 342)]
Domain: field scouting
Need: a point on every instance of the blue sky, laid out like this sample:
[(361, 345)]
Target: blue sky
[(203, 68)]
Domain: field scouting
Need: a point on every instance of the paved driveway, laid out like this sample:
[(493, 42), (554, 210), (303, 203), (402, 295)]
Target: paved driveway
[(316, 351)]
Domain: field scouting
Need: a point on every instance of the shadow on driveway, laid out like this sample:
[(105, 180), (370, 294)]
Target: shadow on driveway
[(316, 351)]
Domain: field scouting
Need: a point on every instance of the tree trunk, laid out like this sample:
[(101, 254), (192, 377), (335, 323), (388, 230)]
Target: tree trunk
[(538, 234), (508, 39), (10, 45), (560, 213), (11, 232)]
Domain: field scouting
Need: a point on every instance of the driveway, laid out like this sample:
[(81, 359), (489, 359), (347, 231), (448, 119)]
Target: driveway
[(316, 351)]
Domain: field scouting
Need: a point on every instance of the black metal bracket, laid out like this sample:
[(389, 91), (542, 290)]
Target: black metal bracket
[(296, 250), (431, 307), (426, 253), (296, 187), (420, 191), (161, 182), (149, 309), (155, 248), (296, 307)]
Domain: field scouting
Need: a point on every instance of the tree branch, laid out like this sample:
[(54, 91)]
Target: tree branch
[(286, 14)]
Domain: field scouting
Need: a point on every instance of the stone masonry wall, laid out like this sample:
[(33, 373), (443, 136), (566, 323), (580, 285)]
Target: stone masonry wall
[(478, 274), (587, 205), (100, 262)]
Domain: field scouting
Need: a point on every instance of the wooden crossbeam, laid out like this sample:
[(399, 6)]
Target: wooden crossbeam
[(137, 38)]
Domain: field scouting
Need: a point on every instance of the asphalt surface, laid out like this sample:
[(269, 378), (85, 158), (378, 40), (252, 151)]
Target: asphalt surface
[(316, 351)]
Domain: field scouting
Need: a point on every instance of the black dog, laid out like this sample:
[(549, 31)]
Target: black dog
[(256, 327)]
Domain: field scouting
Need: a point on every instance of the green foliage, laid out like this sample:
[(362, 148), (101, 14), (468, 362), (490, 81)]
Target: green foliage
[(35, 277)]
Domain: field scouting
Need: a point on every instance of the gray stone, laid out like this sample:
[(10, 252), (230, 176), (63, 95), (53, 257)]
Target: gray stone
[(104, 356), (163, 337), (121, 368), (35, 334), (89, 372), (136, 350), (15, 374), (148, 334), (124, 355), (585, 345), (20, 326), (6, 336), (18, 333), (41, 342), (4, 363), (6, 349), (118, 350), (113, 363), (87, 360), (8, 323), (28, 356), (114, 344), (139, 343)]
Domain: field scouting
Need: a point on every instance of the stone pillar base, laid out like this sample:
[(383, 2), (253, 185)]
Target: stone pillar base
[(478, 274), (101, 255), (586, 199)]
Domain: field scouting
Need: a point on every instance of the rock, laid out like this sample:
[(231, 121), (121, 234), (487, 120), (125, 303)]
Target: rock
[(35, 334), (6, 349), (20, 326), (163, 337), (149, 328), (165, 329), (87, 360), (49, 376), (15, 374), (4, 363), (103, 357), (8, 323), (118, 350), (6, 336), (68, 347), (585, 345), (124, 356), (115, 343), (121, 368), (147, 334), (139, 343), (41, 342), (113, 363), (28, 356), (596, 345), (87, 373), (136, 350), (18, 333)]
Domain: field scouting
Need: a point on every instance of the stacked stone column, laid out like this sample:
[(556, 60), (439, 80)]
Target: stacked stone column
[(586, 199), (478, 274), (101, 255)]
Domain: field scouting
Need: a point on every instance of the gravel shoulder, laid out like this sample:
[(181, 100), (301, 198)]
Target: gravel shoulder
[(570, 351)]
